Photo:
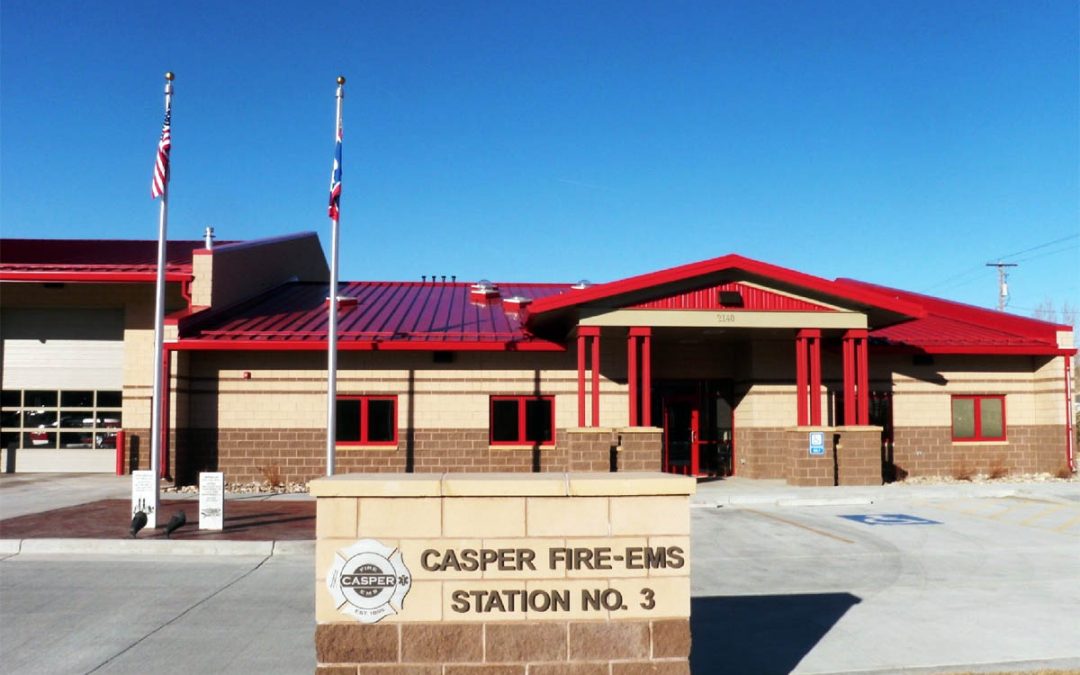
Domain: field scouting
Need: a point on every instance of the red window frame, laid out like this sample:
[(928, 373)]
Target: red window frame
[(521, 417), (364, 401), (977, 423)]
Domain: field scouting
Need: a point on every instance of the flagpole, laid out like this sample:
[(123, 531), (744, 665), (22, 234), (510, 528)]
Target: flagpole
[(332, 328), (159, 336)]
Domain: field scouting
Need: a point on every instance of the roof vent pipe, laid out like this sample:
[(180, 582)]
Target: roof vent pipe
[(209, 238), (423, 278)]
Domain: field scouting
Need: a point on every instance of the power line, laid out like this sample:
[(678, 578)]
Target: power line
[(960, 278), (1035, 248), (1073, 247)]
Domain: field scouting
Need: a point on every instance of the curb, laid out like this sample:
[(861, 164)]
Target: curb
[(784, 500), (863, 499), (157, 547)]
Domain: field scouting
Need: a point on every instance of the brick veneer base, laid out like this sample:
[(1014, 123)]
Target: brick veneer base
[(550, 648), (246, 455), (761, 453), (930, 451)]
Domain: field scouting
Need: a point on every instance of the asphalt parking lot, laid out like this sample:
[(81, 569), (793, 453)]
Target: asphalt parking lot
[(903, 584)]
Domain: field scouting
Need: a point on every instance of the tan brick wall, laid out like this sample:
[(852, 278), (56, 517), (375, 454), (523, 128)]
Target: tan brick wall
[(239, 390), (1034, 387)]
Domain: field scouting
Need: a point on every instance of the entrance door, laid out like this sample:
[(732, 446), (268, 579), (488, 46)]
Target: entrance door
[(698, 427), (682, 435)]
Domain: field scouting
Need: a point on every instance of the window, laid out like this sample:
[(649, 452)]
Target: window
[(48, 419), (978, 418), (522, 420), (367, 420)]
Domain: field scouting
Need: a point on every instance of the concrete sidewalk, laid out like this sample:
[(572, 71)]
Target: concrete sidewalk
[(89, 513)]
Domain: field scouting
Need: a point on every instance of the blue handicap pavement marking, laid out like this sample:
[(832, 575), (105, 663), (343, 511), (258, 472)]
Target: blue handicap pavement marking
[(890, 519)]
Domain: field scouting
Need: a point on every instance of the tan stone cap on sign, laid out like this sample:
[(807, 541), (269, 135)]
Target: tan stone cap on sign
[(502, 485)]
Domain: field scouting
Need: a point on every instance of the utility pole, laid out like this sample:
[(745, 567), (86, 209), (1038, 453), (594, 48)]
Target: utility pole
[(1003, 283)]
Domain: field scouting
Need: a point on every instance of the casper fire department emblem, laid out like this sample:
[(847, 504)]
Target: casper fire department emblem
[(368, 580)]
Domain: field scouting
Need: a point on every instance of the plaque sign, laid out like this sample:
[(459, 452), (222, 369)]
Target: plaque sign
[(211, 500), (142, 495)]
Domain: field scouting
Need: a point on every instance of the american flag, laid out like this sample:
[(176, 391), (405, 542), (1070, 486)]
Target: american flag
[(335, 179), (161, 167)]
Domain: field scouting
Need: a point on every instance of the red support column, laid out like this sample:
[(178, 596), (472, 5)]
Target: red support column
[(801, 384), (631, 377), (646, 377), (640, 403), (581, 342), (596, 379), (815, 378), (862, 383), (849, 379), (1070, 451)]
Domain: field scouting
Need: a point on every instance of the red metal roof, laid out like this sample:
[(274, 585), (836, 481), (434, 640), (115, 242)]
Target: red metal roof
[(92, 259), (954, 327), (387, 315)]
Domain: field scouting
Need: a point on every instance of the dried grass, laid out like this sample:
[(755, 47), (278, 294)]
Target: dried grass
[(272, 475), (963, 471), (997, 468), (1064, 472)]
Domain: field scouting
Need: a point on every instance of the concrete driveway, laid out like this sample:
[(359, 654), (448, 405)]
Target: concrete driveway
[(891, 581), (941, 585)]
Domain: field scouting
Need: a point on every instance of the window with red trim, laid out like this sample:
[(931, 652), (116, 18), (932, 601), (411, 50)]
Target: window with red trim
[(978, 418), (523, 420), (367, 420)]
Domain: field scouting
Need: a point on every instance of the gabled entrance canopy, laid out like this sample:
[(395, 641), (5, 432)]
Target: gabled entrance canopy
[(712, 297), (729, 292)]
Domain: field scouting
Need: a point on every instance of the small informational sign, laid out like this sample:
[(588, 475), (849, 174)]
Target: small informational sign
[(817, 443), (211, 500), (889, 519), (143, 497)]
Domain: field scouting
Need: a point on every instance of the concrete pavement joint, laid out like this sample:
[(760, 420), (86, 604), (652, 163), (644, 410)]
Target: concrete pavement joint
[(177, 617), (12, 547)]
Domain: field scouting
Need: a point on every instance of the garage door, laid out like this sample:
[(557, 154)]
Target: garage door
[(62, 380)]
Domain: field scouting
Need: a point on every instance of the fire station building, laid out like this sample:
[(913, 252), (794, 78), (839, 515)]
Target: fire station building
[(714, 368)]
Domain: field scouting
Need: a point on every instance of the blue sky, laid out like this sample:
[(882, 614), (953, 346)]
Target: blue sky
[(903, 143)]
